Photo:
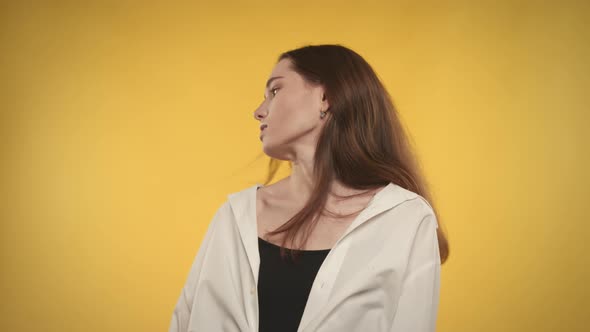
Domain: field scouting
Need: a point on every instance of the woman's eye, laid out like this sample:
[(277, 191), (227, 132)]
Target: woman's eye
[(272, 91)]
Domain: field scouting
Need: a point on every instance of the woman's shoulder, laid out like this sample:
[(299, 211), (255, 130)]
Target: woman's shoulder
[(242, 194), (411, 207)]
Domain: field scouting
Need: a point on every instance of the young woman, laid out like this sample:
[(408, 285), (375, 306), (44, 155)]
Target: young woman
[(349, 241)]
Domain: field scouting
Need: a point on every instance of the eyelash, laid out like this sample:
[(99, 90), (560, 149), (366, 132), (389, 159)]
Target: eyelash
[(271, 90)]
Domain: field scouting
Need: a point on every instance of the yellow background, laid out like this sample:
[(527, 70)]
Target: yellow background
[(124, 125)]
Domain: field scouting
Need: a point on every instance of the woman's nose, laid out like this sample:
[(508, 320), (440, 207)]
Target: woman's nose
[(258, 113)]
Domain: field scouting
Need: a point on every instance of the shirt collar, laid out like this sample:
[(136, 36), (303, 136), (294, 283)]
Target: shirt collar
[(243, 206)]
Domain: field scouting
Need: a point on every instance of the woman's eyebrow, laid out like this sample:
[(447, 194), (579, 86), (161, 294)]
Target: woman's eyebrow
[(272, 79)]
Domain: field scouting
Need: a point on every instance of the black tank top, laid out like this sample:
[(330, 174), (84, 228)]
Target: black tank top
[(284, 286)]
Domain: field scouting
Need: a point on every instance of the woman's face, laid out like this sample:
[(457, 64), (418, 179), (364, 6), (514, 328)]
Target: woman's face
[(291, 113)]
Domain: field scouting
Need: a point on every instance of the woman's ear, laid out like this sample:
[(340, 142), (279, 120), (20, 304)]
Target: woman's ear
[(325, 103)]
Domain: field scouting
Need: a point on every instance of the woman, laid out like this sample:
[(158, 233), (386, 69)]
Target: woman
[(364, 242)]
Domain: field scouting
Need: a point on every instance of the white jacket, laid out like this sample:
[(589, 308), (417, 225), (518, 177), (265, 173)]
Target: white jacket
[(383, 274)]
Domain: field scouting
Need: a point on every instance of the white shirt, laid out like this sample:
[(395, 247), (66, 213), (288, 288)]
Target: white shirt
[(383, 274)]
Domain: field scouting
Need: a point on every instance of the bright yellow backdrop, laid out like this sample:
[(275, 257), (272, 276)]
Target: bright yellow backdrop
[(125, 125)]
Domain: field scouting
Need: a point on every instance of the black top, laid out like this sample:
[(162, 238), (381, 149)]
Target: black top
[(284, 286)]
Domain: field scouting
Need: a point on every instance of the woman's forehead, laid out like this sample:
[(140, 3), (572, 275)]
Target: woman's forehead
[(282, 67)]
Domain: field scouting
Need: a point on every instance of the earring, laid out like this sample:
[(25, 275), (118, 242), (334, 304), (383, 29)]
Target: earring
[(322, 114)]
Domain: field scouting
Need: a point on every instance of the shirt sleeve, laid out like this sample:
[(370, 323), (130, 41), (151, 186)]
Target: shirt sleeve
[(418, 303), (182, 310)]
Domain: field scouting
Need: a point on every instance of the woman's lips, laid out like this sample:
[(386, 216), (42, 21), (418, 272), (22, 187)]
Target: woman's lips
[(262, 127)]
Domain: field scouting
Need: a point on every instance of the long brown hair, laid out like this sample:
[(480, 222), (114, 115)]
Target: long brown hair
[(363, 143)]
